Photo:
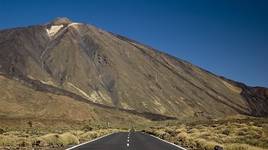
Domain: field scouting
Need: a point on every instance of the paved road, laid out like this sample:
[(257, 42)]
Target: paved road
[(128, 141)]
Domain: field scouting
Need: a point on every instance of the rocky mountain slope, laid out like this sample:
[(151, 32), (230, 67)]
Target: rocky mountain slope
[(85, 62), (21, 102)]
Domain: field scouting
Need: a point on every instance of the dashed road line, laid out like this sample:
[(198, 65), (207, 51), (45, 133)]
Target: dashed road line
[(128, 139)]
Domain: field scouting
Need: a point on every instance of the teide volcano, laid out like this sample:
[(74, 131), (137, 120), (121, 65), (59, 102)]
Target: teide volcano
[(108, 69)]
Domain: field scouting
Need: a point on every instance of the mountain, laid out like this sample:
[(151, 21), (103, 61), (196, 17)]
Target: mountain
[(80, 63)]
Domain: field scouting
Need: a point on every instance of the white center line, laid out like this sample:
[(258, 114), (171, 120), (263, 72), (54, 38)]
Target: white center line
[(128, 139)]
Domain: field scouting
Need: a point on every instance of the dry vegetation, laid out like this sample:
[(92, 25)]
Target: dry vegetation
[(50, 139), (245, 133), (230, 134)]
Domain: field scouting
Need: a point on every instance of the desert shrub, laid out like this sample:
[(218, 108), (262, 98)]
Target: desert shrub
[(193, 131), (243, 135), (89, 135), (161, 134), (183, 137), (38, 142), (2, 131), (24, 140), (24, 143), (170, 130), (7, 140), (226, 131), (237, 146), (179, 130), (94, 134), (59, 140), (206, 145), (51, 139), (77, 133), (68, 139), (87, 128), (30, 124), (189, 141)]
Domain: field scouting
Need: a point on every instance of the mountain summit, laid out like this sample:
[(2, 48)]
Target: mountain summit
[(84, 62), (61, 21)]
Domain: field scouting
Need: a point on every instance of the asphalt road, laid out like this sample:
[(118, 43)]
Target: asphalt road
[(128, 141)]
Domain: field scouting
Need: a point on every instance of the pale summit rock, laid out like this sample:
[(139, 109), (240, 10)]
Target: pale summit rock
[(53, 30)]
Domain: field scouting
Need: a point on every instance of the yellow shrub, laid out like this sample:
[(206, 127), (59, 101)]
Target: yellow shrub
[(59, 140), (206, 145), (68, 139), (89, 135), (241, 147), (7, 140)]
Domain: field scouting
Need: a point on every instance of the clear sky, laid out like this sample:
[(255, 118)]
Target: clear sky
[(226, 37)]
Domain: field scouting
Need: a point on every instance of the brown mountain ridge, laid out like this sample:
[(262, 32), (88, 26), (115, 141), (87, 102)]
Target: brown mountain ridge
[(85, 64)]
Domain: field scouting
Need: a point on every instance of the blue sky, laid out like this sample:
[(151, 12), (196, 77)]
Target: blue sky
[(226, 37)]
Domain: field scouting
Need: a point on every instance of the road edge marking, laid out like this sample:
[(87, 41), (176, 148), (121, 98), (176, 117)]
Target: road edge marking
[(166, 141), (70, 148)]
